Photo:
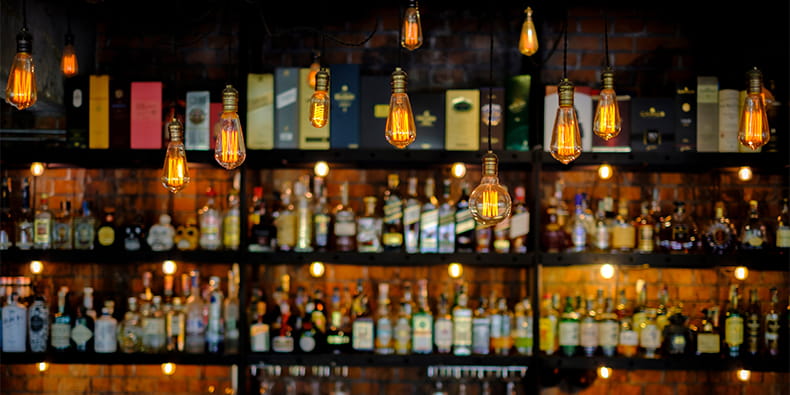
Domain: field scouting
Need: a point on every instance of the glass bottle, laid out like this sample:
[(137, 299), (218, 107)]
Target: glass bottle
[(645, 230), (602, 235), (783, 228), (707, 336), (464, 222), (523, 324), (362, 332), (231, 311), (319, 320), (462, 323), (411, 217), (304, 215), (24, 222), (422, 322), (43, 222), (214, 330), (519, 222), (484, 235), (553, 238), (549, 318), (676, 336), (345, 223), (38, 324), (106, 330), (63, 228), (231, 222), (384, 341), (133, 234), (446, 230), (443, 327), (61, 323), (568, 329), (154, 326), (640, 312), (578, 226), (83, 324), (753, 323), (649, 335), (84, 228), (130, 332), (608, 328), (160, 235), (106, 235), (263, 233), (210, 223), (588, 330), (720, 236), (771, 332), (429, 220), (195, 322), (402, 330), (392, 235), (369, 226), (285, 220), (623, 231), (175, 325), (501, 320), (259, 329), (322, 217), (733, 325), (14, 324), (7, 231), (628, 339), (754, 234), (678, 233), (501, 239), (338, 338), (283, 330)]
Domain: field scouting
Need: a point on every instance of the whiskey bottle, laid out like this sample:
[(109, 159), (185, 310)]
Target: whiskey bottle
[(481, 328), (601, 239), (501, 320), (623, 230), (569, 329), (519, 222), (649, 335), (608, 327), (484, 235), (231, 311), (446, 231), (753, 323), (771, 332), (84, 228), (106, 330), (231, 223), (345, 223), (175, 326), (304, 215), (38, 324), (501, 237), (42, 225), (411, 217), (422, 322), (263, 233), (464, 222), (733, 325), (392, 235), (678, 233), (215, 336), (210, 223), (130, 331), (259, 330), (549, 318), (462, 324), (7, 233), (14, 315), (676, 337), (523, 324), (645, 230), (578, 226), (628, 338), (707, 336), (719, 236), (384, 335), (402, 329), (429, 220), (338, 337), (588, 330), (61, 323), (285, 220), (369, 227), (443, 327), (24, 222), (362, 332), (106, 235), (322, 217), (640, 312), (783, 228), (160, 235), (553, 239), (63, 228), (154, 326), (754, 234), (195, 324)]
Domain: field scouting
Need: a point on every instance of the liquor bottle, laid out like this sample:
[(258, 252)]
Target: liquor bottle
[(83, 324), (754, 234), (707, 335), (319, 320), (344, 223), (195, 324), (553, 239), (338, 338), (649, 335), (392, 234), (501, 320), (106, 235), (14, 324), (307, 333), (84, 228), (501, 237), (42, 225), (106, 330), (304, 215), (259, 329), (263, 232), (464, 222), (578, 226), (481, 328), (719, 236), (443, 327), (61, 323), (154, 326), (568, 329), (446, 230), (589, 330), (384, 341), (608, 328), (753, 322), (783, 228), (402, 330), (24, 223), (678, 233), (411, 218), (676, 336), (662, 310), (369, 227), (623, 231), (639, 315), (7, 231), (160, 235), (63, 228), (549, 318), (563, 213), (283, 340), (645, 230), (429, 220), (322, 217), (422, 322), (133, 234), (214, 329), (362, 332), (519, 222), (38, 324), (601, 238), (771, 332), (232, 312), (231, 223), (733, 324), (210, 223), (130, 331), (175, 326), (522, 333), (462, 323)]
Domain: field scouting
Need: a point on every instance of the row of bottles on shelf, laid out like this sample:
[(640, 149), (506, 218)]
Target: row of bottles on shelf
[(600, 326), (610, 230)]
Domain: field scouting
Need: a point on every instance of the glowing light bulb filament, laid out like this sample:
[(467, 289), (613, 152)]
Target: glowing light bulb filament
[(230, 150), (528, 40), (400, 130), (490, 206), (230, 138), (753, 130), (411, 32), (319, 101)]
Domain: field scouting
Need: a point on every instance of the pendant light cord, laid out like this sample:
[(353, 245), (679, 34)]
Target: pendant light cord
[(24, 15), (606, 39), (68, 19), (490, 80), (400, 35), (565, 47)]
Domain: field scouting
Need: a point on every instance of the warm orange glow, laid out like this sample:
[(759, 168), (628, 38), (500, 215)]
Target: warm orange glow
[(411, 33), (314, 67), (20, 91), (175, 174), (319, 109), (490, 204), (528, 40), (753, 130), (68, 63), (607, 123), (565, 137), (400, 129), (229, 150)]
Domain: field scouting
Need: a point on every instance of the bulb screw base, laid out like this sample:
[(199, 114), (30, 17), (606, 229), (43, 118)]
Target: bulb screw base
[(565, 93), (490, 164), (230, 99), (755, 81), (399, 80), (607, 79), (176, 130), (24, 41), (322, 79)]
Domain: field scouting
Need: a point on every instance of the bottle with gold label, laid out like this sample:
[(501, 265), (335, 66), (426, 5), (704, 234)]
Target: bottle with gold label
[(392, 234), (412, 206), (285, 220), (623, 231), (231, 223), (753, 324), (322, 217), (402, 330), (771, 332), (707, 335), (429, 220), (719, 236), (384, 341), (733, 325), (783, 228), (304, 215), (369, 227), (43, 222), (753, 234), (548, 326), (106, 233), (645, 230)]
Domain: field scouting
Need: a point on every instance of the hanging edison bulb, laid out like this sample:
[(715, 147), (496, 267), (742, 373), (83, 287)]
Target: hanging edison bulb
[(753, 130), (175, 174), (314, 67), (229, 148), (607, 122), (319, 102), (528, 40), (411, 31), (20, 91), (566, 140), (400, 130), (68, 62), (490, 202)]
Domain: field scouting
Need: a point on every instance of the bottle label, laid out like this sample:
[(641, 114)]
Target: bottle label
[(733, 331), (106, 340), (579, 236), (649, 337), (402, 336), (345, 228), (602, 236), (39, 328), (783, 237), (462, 330), (753, 238), (321, 224), (589, 334), (708, 343), (443, 330), (464, 222), (481, 335), (422, 338), (61, 234), (42, 230), (259, 338), (307, 343), (548, 330), (383, 333), (629, 338), (519, 225), (231, 235), (362, 335), (83, 235), (61, 335), (106, 236), (411, 215), (569, 333), (81, 334), (195, 324), (623, 237), (607, 334), (283, 344), (286, 229), (393, 211), (391, 239), (677, 344), (14, 329), (646, 241)]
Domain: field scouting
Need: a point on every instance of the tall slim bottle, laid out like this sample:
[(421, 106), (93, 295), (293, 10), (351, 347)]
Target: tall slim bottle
[(214, 329), (231, 311), (210, 222), (14, 324), (462, 324), (589, 330), (443, 327), (362, 331), (733, 325), (446, 231), (42, 225), (369, 227), (61, 323), (285, 220), (753, 324), (411, 218), (195, 324), (771, 333), (608, 329), (519, 222), (422, 322), (24, 222), (304, 215), (384, 327), (322, 217), (464, 222), (402, 330), (549, 318), (231, 223), (7, 231), (345, 223), (429, 220), (569, 329), (38, 324), (392, 234)]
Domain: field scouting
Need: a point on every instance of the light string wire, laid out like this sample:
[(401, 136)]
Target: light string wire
[(490, 79)]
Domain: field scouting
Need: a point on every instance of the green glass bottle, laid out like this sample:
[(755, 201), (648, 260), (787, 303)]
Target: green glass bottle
[(733, 325), (569, 329)]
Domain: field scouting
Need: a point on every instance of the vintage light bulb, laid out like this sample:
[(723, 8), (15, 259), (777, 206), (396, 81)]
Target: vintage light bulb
[(400, 130), (528, 40), (68, 62), (319, 102), (229, 148), (743, 374), (37, 169), (168, 368), (605, 171), (321, 169), (607, 271), (745, 173), (566, 140), (20, 91), (753, 130), (411, 31), (455, 270), (36, 267), (607, 122), (317, 269), (490, 202), (314, 67), (175, 173), (458, 170)]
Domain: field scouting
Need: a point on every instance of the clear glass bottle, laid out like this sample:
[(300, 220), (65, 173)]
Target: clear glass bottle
[(589, 330), (344, 223), (578, 226), (160, 235), (402, 330), (464, 222), (322, 217), (210, 223), (649, 335), (43, 222), (60, 335), (130, 332), (154, 326), (462, 323), (231, 223), (195, 322), (501, 320), (232, 311), (602, 235), (384, 327), (719, 236), (569, 329), (429, 220), (443, 327), (24, 221), (84, 228), (422, 321), (38, 324), (446, 230), (754, 233), (106, 330), (392, 234), (519, 221), (369, 227), (214, 330), (608, 328), (63, 228), (304, 215), (7, 225), (411, 217), (14, 324)]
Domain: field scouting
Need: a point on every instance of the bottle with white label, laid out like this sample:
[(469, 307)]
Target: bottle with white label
[(501, 327), (38, 324), (106, 329), (61, 324), (523, 337), (384, 341), (210, 223), (154, 328), (650, 336), (443, 327), (175, 326), (259, 330), (589, 328), (362, 328), (195, 324), (402, 329), (14, 325), (481, 329), (608, 328), (232, 312), (462, 324), (214, 328), (569, 329), (422, 322)]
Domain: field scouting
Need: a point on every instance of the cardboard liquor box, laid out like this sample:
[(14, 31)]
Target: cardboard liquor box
[(707, 114), (76, 100), (686, 118), (286, 108), (197, 123), (260, 111), (653, 124), (375, 92), (462, 120), (146, 115), (429, 117), (99, 112), (344, 117), (517, 92)]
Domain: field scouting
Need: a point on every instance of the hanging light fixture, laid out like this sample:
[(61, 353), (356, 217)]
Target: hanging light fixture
[(20, 91), (753, 130), (490, 202), (607, 122), (565, 136), (528, 40), (229, 149), (314, 68), (319, 102), (411, 31), (68, 61), (400, 129), (175, 173)]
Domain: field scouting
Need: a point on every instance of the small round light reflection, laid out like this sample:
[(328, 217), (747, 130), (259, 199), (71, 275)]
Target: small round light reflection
[(604, 372), (36, 267), (321, 169), (317, 269), (605, 171), (168, 368), (745, 173), (169, 267), (744, 375), (42, 366), (37, 168), (607, 271), (741, 273), (458, 170), (455, 270)]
